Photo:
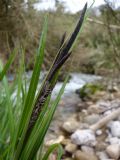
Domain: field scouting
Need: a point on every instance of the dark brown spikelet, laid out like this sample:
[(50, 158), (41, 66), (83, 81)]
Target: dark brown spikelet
[(63, 54), (74, 34), (63, 39)]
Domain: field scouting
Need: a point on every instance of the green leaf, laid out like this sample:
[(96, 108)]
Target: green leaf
[(40, 129), (7, 66), (9, 107), (28, 107), (51, 149)]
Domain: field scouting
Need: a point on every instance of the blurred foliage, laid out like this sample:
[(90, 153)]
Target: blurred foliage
[(97, 47), (112, 38), (89, 89)]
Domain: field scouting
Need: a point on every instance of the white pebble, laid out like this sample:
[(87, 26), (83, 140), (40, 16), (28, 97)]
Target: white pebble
[(115, 128), (102, 155), (84, 137), (99, 132), (114, 140)]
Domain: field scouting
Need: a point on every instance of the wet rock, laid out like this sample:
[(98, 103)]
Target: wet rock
[(54, 141), (91, 119), (109, 135), (80, 106), (84, 112), (113, 151), (81, 115), (70, 126), (108, 105), (94, 109), (107, 112), (84, 126), (89, 103), (102, 156), (114, 140), (100, 146), (79, 155), (87, 149), (66, 142), (112, 88), (84, 137), (115, 128), (71, 148), (102, 137)]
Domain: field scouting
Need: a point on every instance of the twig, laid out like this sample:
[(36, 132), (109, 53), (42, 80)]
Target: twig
[(112, 26), (102, 122)]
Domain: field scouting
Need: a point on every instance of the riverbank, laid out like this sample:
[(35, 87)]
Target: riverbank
[(72, 123)]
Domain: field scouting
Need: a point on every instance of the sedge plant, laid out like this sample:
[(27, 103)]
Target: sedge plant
[(25, 119)]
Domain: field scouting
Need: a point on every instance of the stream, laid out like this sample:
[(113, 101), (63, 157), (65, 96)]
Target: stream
[(69, 101), (76, 82), (69, 98)]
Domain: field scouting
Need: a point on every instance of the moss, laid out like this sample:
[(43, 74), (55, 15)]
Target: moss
[(89, 89)]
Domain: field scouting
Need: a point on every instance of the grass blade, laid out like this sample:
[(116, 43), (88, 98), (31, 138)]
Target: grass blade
[(51, 149), (24, 121), (9, 107), (40, 129), (7, 66)]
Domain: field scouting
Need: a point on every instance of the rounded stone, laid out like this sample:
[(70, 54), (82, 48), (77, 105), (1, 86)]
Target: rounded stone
[(91, 119), (113, 151), (71, 148), (115, 128), (79, 155), (70, 126), (87, 149), (84, 137)]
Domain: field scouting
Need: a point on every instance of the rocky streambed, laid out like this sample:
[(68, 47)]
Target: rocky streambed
[(87, 130)]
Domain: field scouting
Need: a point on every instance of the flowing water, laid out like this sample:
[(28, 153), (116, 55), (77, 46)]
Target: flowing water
[(69, 99), (77, 81)]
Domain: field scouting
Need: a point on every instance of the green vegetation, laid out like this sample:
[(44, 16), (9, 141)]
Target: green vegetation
[(25, 117), (97, 48), (89, 89)]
